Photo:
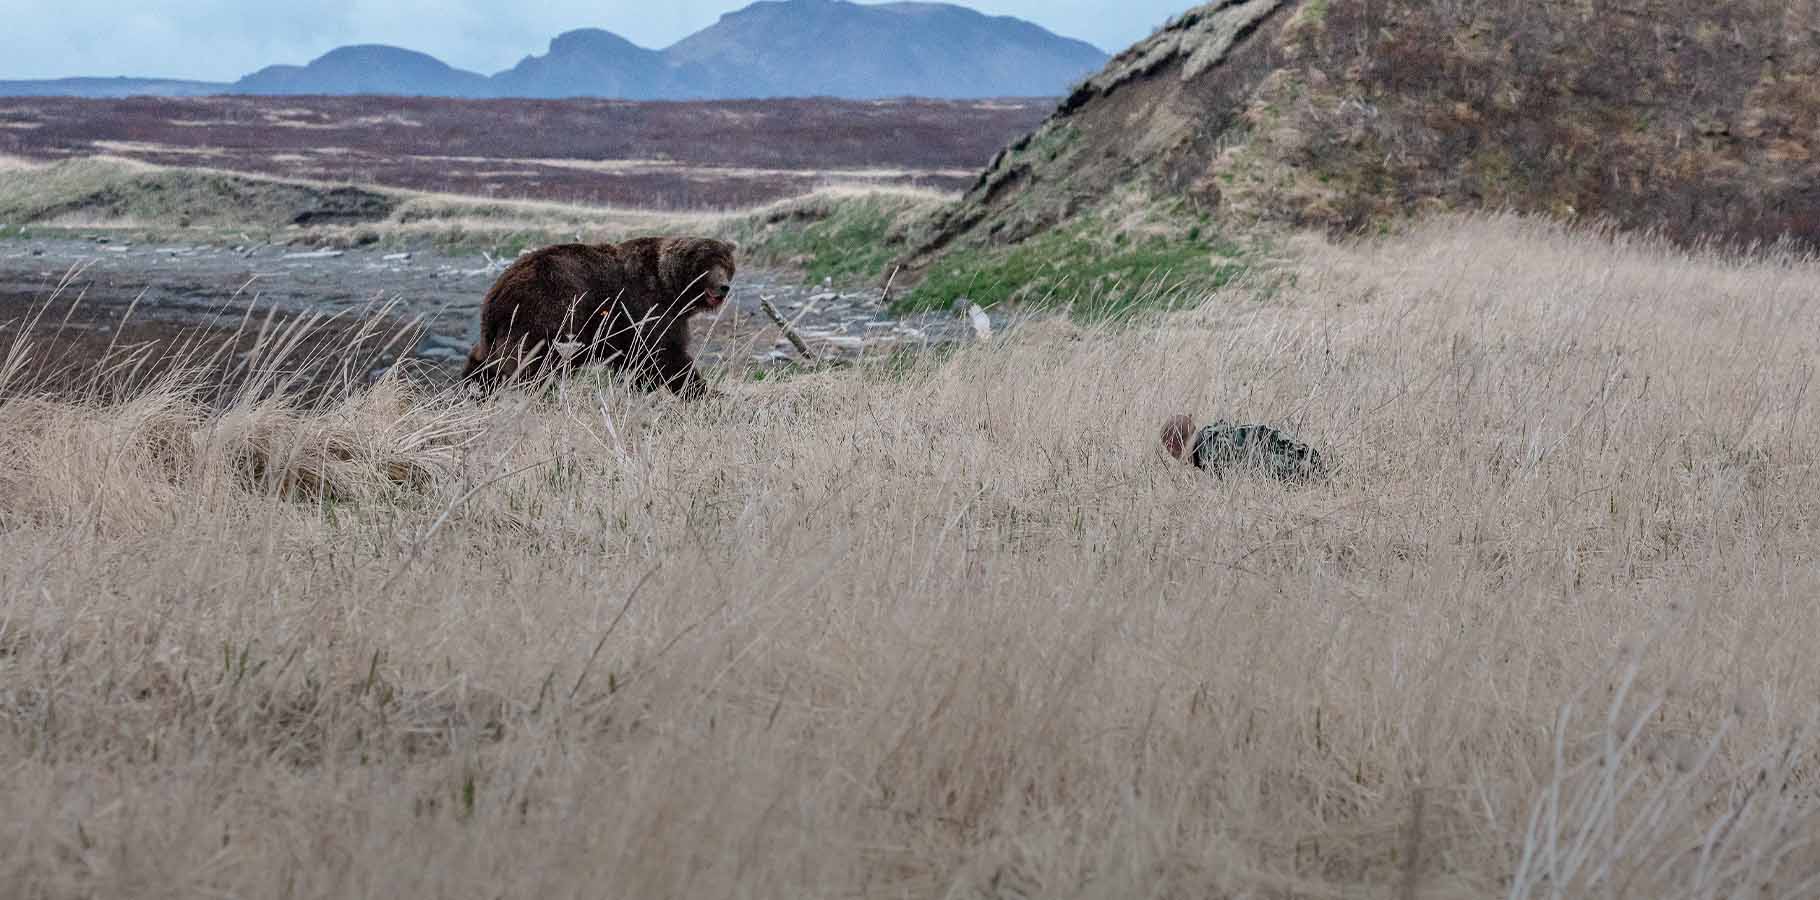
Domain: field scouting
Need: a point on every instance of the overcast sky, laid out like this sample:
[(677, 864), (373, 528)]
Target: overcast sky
[(220, 40)]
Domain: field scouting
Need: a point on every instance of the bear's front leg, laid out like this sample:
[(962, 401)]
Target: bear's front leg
[(684, 379), (677, 371)]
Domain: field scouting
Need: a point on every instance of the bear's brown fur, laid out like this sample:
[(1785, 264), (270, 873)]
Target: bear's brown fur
[(626, 305)]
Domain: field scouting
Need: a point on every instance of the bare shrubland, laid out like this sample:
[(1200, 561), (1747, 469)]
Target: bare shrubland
[(674, 156), (949, 625)]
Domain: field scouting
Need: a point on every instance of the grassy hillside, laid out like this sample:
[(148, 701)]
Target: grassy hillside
[(1696, 121), (953, 628)]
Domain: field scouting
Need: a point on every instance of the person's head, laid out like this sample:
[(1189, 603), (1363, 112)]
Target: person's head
[(1177, 432)]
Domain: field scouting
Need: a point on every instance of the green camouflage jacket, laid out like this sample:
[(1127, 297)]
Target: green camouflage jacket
[(1223, 446)]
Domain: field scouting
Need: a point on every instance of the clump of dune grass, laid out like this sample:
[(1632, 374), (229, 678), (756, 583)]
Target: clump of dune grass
[(279, 410), (951, 625)]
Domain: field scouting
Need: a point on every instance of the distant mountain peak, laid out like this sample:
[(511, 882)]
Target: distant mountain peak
[(370, 52), (591, 40), (367, 69), (776, 48), (587, 62), (771, 48)]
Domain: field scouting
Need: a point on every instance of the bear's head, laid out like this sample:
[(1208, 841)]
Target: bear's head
[(700, 270)]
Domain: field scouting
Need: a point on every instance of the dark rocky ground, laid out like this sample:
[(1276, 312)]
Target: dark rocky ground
[(119, 294)]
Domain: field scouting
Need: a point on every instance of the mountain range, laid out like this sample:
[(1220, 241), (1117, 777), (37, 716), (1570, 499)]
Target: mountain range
[(774, 48)]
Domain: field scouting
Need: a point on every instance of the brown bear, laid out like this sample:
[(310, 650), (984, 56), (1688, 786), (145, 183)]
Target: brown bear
[(626, 305)]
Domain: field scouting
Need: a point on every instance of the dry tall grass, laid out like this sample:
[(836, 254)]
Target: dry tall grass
[(957, 630)]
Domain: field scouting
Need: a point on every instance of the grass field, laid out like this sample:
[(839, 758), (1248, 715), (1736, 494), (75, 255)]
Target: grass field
[(833, 231), (951, 627)]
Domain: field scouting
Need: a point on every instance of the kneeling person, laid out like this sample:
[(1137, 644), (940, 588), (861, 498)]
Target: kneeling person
[(1224, 446)]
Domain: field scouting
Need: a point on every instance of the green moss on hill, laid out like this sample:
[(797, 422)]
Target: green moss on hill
[(844, 236), (1090, 267)]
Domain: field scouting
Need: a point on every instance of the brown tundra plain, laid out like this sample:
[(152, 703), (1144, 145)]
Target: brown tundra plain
[(947, 625), (676, 156)]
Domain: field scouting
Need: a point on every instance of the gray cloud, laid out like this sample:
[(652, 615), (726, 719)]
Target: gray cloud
[(224, 39)]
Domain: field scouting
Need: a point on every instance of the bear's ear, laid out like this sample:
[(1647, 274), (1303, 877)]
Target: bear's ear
[(670, 263), (706, 253), (682, 262)]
